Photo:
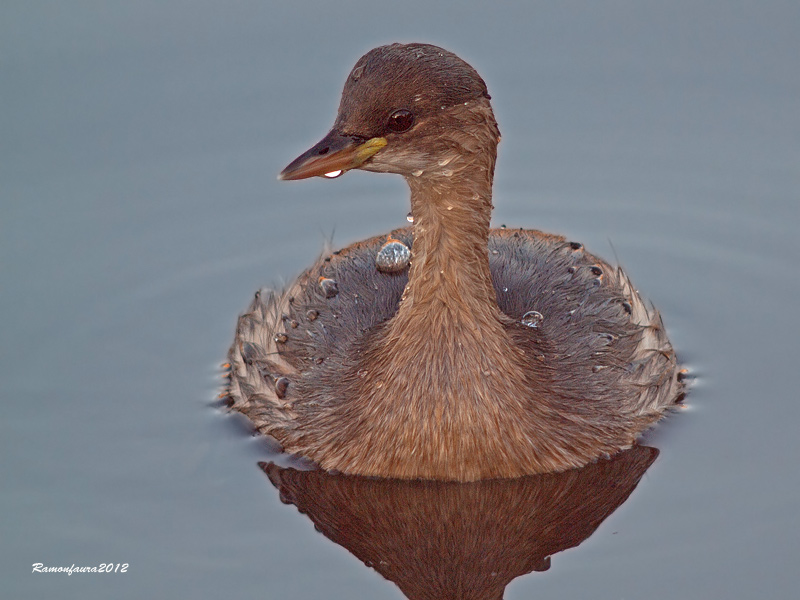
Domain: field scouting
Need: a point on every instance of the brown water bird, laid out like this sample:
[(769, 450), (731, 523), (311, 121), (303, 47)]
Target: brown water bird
[(447, 350)]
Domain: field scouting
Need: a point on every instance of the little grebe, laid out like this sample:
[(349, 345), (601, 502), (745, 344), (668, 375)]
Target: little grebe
[(494, 353)]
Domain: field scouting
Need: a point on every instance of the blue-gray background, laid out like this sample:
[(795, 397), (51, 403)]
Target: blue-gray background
[(139, 210)]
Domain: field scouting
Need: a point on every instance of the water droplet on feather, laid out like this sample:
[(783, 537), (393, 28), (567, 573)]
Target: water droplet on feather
[(532, 318), (393, 256), (329, 287), (281, 385)]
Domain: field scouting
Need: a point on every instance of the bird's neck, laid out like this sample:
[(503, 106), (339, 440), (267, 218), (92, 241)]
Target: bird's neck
[(448, 323), (450, 292), (449, 277), (450, 289), (446, 359)]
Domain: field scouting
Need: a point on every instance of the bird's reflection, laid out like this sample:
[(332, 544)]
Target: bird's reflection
[(461, 540)]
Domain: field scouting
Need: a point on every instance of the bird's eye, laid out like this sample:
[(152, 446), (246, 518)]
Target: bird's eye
[(401, 120)]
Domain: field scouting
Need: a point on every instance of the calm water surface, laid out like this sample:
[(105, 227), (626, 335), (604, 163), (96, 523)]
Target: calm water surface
[(139, 210)]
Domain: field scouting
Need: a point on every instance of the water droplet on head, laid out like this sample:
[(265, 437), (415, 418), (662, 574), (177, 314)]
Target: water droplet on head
[(410, 218), (363, 373), (312, 314), (393, 256), (532, 318), (281, 338), (333, 174), (505, 289), (329, 287)]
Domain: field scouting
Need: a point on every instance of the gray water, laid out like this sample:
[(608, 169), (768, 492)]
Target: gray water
[(139, 210)]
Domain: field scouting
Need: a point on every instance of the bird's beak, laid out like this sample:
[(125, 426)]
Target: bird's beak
[(333, 155)]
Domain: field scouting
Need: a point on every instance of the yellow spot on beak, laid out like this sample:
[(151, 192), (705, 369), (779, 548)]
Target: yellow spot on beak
[(367, 150)]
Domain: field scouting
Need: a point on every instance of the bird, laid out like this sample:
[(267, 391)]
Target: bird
[(446, 350)]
